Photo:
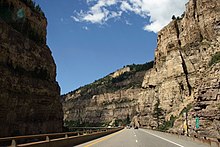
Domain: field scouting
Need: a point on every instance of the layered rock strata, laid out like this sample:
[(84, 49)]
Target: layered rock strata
[(112, 100), (185, 48), (29, 93), (181, 85)]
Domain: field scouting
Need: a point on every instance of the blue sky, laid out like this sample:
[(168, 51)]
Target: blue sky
[(92, 38)]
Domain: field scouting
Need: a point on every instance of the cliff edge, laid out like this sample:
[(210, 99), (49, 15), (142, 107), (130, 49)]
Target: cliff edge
[(29, 93)]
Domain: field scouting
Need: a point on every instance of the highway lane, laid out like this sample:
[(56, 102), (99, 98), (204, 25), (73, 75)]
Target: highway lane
[(140, 138)]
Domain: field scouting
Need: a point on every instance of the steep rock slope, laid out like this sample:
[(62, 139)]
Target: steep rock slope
[(112, 100), (29, 93), (183, 82), (185, 48)]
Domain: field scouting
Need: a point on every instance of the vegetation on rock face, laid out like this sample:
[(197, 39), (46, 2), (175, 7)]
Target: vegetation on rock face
[(122, 122), (186, 109), (141, 67), (118, 122), (109, 84), (162, 124), (215, 59), (32, 5), (70, 124), (158, 114), (167, 124), (22, 25)]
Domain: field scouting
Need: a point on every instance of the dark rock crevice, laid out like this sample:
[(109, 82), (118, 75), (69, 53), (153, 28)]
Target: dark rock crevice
[(185, 70), (194, 8)]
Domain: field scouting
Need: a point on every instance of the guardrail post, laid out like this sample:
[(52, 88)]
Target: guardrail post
[(13, 143), (47, 138), (66, 135)]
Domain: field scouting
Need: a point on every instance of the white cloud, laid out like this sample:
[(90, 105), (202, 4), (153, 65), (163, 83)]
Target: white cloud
[(77, 18), (128, 23), (85, 28), (159, 11)]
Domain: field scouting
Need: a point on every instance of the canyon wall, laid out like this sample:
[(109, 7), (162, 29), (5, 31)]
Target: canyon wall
[(114, 99), (185, 49), (183, 83), (29, 93)]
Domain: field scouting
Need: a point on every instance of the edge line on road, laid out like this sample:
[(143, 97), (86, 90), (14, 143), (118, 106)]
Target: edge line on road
[(164, 139), (102, 139)]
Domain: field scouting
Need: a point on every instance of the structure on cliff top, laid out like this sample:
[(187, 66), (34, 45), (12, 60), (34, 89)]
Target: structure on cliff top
[(182, 80), (29, 93)]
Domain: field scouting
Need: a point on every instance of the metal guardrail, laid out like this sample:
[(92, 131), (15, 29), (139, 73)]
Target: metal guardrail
[(57, 139)]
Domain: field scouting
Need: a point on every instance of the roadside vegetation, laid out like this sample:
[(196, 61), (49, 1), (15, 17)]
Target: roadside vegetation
[(159, 115)]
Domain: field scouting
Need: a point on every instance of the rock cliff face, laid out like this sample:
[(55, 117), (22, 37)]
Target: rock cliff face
[(182, 80), (29, 93), (185, 48), (112, 100)]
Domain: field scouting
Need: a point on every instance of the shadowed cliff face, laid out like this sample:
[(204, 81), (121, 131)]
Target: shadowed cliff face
[(185, 48), (29, 93)]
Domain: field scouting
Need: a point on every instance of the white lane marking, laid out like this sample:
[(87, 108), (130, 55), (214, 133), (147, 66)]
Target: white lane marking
[(164, 139), (136, 141)]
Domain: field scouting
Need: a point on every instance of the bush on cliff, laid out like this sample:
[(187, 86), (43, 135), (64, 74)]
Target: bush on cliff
[(215, 59)]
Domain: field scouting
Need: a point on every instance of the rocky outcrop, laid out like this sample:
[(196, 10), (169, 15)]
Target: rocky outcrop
[(184, 50), (112, 100), (29, 93), (181, 84), (207, 104), (120, 72)]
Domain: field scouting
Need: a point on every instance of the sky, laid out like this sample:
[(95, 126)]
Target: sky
[(91, 38)]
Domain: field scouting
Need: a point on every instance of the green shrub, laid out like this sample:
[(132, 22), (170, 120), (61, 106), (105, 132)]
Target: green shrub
[(215, 59), (158, 113), (70, 124), (167, 124), (186, 109), (141, 67)]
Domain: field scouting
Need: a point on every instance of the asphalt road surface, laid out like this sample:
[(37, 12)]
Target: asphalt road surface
[(140, 138)]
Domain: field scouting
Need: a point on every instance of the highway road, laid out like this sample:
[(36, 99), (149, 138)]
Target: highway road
[(140, 138)]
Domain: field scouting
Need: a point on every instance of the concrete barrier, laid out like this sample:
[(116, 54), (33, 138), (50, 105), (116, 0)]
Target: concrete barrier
[(59, 139)]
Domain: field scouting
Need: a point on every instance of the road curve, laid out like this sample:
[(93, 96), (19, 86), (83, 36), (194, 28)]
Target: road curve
[(140, 138)]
